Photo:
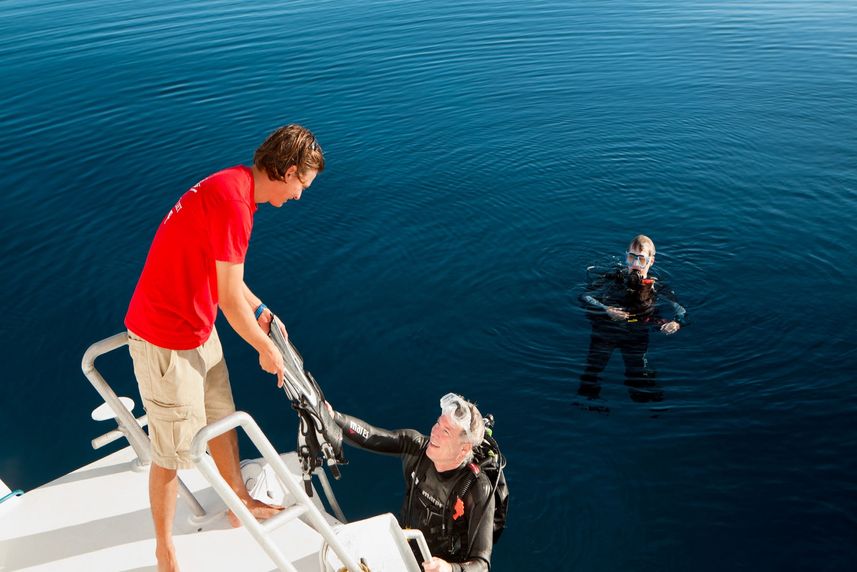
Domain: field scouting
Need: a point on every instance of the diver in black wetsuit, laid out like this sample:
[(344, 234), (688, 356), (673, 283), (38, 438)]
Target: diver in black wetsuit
[(623, 305), (458, 529)]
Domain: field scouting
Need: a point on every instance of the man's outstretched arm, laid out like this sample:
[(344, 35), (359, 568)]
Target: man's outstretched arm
[(360, 434), (232, 299)]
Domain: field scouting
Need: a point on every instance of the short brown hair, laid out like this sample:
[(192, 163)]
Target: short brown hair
[(644, 243), (287, 146)]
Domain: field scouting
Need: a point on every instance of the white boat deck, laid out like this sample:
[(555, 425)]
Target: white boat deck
[(97, 518)]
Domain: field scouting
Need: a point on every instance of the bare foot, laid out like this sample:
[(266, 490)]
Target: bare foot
[(167, 561), (257, 508)]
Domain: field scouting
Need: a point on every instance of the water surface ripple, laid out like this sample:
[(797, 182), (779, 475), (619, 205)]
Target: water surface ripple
[(481, 155)]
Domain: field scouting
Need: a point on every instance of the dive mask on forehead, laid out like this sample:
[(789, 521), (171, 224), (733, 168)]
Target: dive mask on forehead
[(456, 408)]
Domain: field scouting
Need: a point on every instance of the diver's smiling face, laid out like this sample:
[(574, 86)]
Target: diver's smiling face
[(446, 448)]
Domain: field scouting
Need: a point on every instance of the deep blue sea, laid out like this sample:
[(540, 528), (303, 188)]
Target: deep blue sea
[(480, 155)]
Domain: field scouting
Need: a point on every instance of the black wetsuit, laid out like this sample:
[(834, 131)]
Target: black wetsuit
[(428, 506), (647, 310)]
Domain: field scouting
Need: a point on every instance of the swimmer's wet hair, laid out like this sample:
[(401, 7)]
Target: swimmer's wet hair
[(644, 243)]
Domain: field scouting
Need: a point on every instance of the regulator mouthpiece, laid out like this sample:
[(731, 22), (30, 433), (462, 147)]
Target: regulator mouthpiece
[(634, 281)]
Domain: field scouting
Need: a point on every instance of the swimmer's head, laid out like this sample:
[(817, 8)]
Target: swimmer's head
[(639, 258)]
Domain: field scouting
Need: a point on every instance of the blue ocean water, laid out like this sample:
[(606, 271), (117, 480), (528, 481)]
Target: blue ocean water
[(480, 156)]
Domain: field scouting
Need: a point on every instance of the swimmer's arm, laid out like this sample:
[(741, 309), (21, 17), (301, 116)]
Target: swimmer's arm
[(615, 312), (679, 318), (666, 293), (591, 302), (677, 322), (680, 313)]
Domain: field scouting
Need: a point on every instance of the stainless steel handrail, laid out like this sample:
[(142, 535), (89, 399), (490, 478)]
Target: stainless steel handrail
[(138, 440), (128, 425), (258, 530)]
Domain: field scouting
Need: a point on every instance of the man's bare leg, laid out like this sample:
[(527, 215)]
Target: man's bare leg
[(224, 451), (163, 488)]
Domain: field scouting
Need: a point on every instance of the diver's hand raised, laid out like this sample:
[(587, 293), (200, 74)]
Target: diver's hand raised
[(670, 327), (617, 313), (271, 360)]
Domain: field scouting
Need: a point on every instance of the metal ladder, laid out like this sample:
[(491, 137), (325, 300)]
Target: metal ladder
[(261, 530)]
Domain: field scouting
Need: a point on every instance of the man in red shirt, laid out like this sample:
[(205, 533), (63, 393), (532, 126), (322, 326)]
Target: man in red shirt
[(194, 266)]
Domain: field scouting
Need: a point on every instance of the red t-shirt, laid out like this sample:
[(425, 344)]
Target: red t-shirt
[(175, 302)]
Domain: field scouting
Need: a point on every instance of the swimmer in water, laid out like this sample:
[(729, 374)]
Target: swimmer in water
[(624, 305)]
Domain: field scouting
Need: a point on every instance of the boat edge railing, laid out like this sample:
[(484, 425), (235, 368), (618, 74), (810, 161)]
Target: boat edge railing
[(417, 535), (258, 530), (128, 425)]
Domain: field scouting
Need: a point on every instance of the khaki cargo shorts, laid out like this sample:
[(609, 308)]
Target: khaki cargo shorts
[(182, 391)]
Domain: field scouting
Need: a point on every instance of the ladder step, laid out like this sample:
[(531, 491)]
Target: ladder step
[(284, 517)]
